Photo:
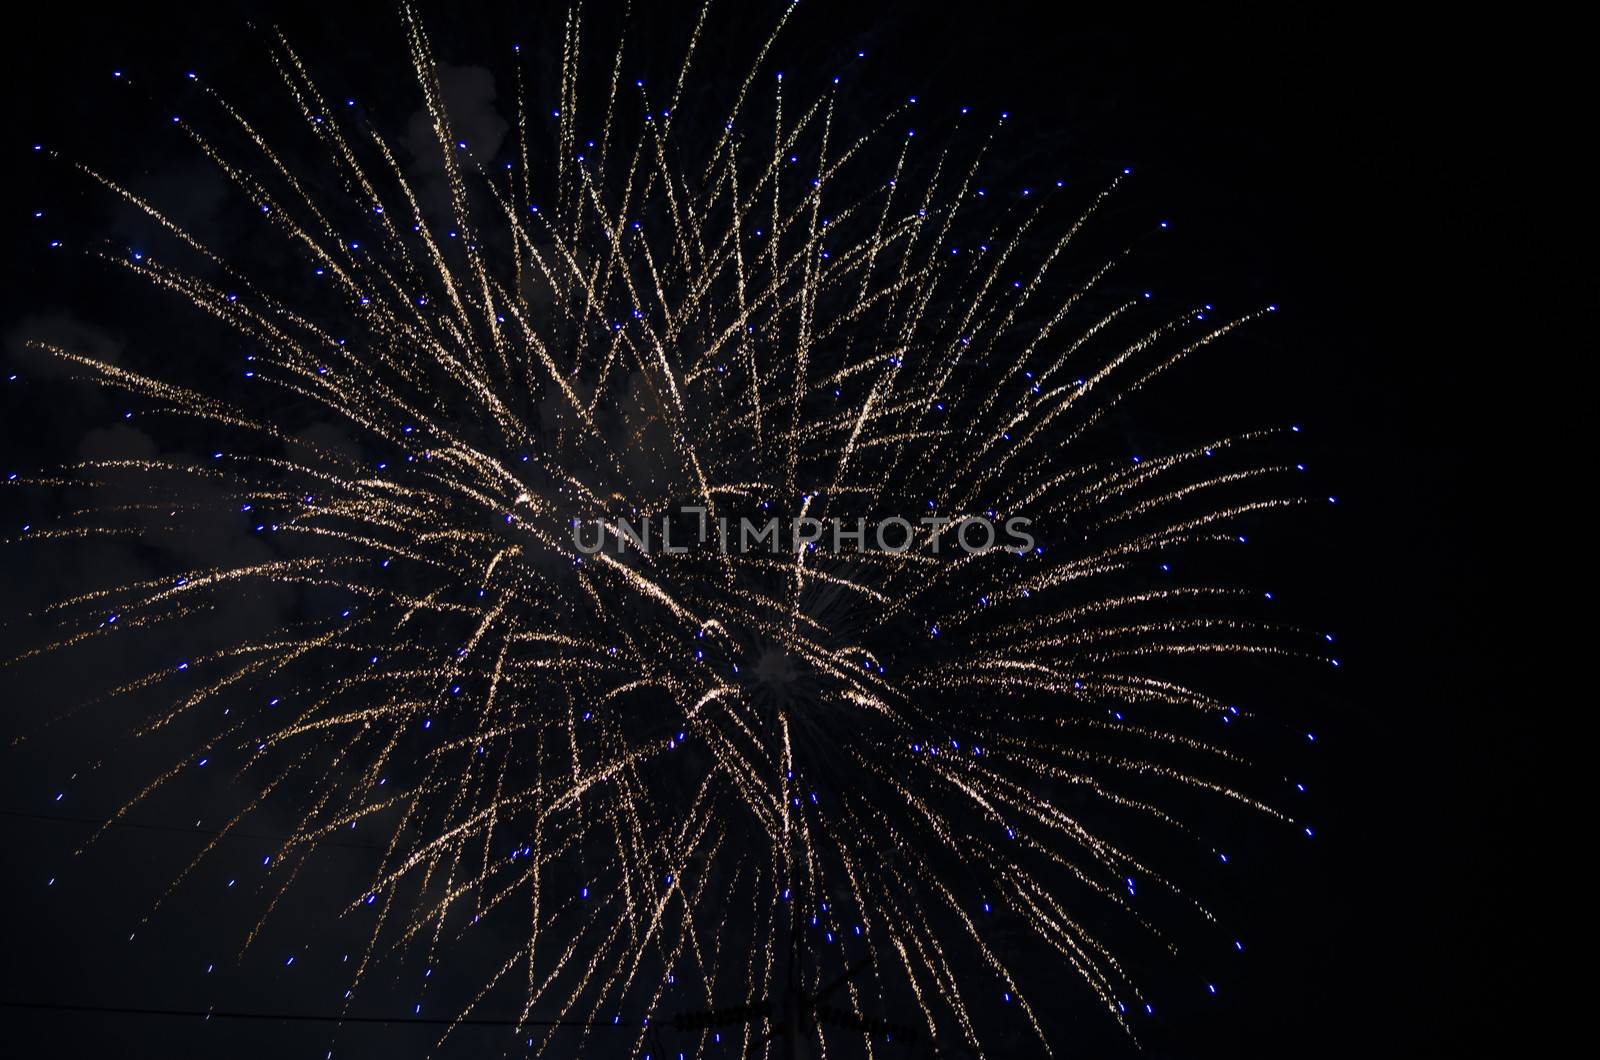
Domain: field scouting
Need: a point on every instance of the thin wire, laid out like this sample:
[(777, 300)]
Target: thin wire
[(183, 829), (302, 1017)]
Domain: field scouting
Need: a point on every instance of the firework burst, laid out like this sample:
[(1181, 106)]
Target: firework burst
[(645, 775)]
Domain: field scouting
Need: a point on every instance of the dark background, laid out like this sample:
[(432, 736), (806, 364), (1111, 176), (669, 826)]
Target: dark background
[(1347, 172)]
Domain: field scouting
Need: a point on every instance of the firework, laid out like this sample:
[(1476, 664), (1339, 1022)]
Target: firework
[(657, 772)]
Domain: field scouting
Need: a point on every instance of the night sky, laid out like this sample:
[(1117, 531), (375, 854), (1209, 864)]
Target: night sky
[(1319, 168)]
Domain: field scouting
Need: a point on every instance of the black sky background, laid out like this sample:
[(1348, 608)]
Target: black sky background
[(1337, 170)]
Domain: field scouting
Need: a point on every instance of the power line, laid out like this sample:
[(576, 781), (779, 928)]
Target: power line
[(303, 1017), (179, 829)]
